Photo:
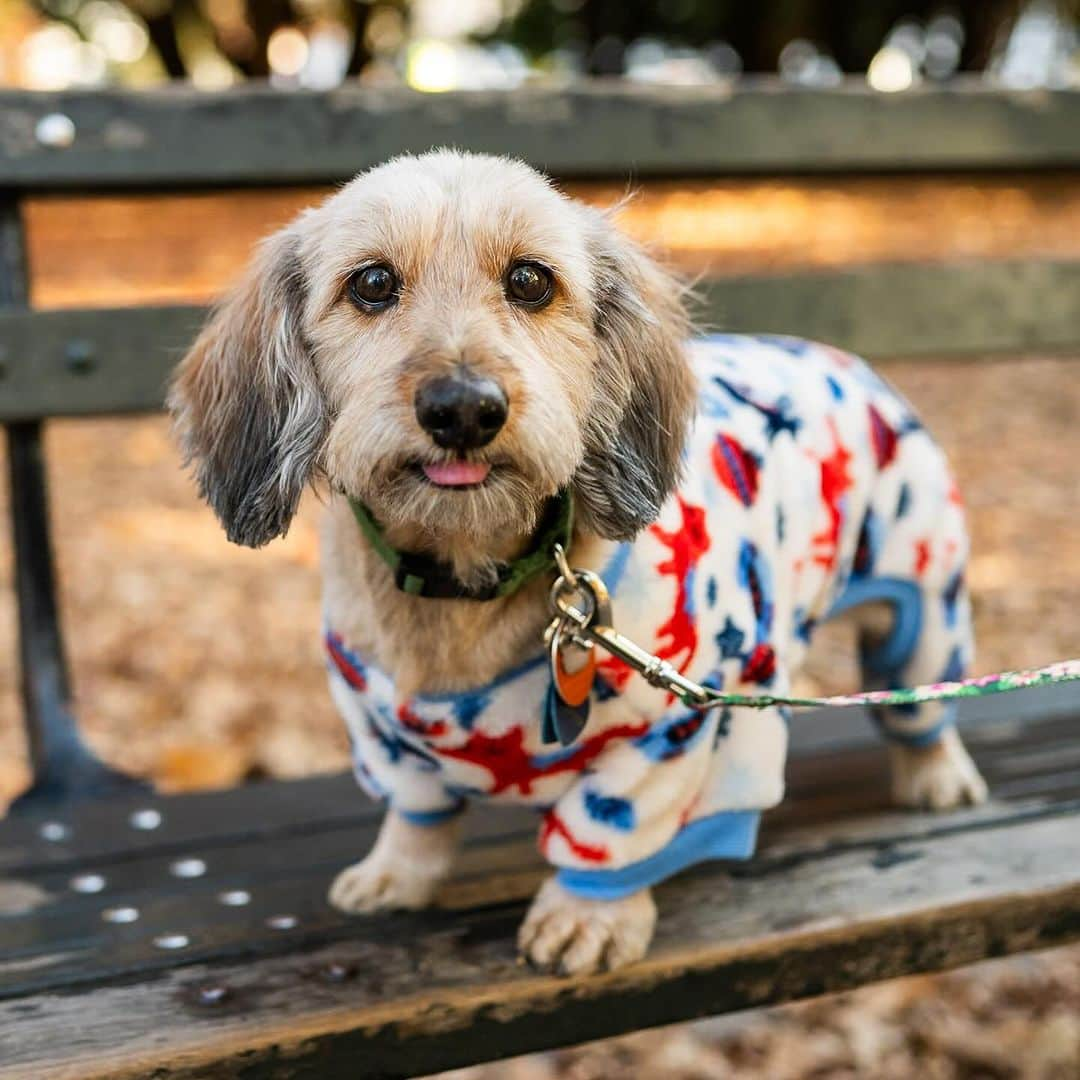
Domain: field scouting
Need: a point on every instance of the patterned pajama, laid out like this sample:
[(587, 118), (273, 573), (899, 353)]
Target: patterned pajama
[(810, 487)]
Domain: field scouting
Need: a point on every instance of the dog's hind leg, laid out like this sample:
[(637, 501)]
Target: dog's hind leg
[(927, 639)]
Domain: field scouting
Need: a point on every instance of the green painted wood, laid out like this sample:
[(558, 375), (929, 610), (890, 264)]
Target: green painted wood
[(911, 310), (178, 136), (79, 363), (86, 363)]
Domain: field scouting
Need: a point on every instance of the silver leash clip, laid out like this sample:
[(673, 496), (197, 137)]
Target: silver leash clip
[(581, 605)]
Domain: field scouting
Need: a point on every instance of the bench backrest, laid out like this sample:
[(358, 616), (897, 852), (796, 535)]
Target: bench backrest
[(122, 214), (135, 148)]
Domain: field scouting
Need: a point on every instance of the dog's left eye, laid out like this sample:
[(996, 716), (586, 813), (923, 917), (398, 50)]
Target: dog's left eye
[(374, 287), (529, 284)]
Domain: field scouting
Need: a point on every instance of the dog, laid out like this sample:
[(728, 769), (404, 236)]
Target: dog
[(472, 365)]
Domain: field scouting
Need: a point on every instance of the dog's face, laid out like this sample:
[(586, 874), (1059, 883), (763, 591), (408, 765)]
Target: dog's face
[(451, 341)]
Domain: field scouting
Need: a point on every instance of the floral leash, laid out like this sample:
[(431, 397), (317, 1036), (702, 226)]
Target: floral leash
[(581, 619), (980, 686)]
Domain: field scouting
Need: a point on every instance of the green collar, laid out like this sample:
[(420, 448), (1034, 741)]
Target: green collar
[(421, 575)]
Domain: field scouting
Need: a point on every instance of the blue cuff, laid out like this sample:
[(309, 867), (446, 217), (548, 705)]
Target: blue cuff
[(917, 740), (431, 817), (896, 650), (731, 834)]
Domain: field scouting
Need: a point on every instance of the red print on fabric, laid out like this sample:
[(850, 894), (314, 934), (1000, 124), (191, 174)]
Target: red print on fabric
[(349, 672), (615, 672), (760, 665), (736, 468), (555, 826), (408, 719), (836, 481), (884, 437), (686, 545), (510, 765), (922, 556)]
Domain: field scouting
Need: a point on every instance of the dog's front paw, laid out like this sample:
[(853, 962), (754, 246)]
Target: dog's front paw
[(378, 884), (938, 777), (575, 936)]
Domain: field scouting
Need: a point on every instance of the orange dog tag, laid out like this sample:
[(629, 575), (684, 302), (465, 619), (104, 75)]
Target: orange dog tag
[(573, 687), (566, 711)]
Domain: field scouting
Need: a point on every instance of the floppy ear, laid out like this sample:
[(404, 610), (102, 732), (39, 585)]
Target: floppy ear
[(646, 391), (246, 402)]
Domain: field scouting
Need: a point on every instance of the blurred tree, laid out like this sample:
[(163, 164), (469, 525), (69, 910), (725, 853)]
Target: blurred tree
[(596, 32), (851, 31), (240, 31)]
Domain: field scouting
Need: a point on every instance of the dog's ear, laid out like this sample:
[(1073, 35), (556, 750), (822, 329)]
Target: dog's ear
[(645, 389), (246, 402)]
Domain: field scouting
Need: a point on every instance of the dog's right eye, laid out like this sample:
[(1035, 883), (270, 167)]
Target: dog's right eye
[(374, 287)]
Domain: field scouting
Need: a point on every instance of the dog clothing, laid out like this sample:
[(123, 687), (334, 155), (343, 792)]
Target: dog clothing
[(809, 488)]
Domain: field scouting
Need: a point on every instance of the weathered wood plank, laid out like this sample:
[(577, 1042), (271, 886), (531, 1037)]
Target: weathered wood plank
[(258, 135), (443, 991), (270, 842), (78, 363), (121, 249)]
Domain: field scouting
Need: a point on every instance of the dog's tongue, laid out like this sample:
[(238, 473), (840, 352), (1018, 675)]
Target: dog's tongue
[(457, 473)]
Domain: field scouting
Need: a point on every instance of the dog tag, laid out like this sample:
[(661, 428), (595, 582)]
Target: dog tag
[(562, 723), (566, 710)]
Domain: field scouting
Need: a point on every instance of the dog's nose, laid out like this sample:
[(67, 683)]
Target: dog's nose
[(461, 412)]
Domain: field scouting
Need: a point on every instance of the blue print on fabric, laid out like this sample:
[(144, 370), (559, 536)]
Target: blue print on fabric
[(804, 625), (616, 566), (778, 418), (903, 500), (723, 725), (468, 708), (610, 810), (396, 748), (691, 582), (710, 592), (673, 737), (950, 598), (730, 639), (835, 388), (754, 575), (866, 552)]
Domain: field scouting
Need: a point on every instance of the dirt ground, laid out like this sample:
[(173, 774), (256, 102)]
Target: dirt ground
[(198, 664)]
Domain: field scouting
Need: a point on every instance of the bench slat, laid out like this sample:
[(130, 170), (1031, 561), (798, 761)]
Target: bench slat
[(256, 135), (837, 800), (78, 363), (424, 993)]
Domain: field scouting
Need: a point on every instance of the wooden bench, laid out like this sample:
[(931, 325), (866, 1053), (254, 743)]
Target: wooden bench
[(189, 936)]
